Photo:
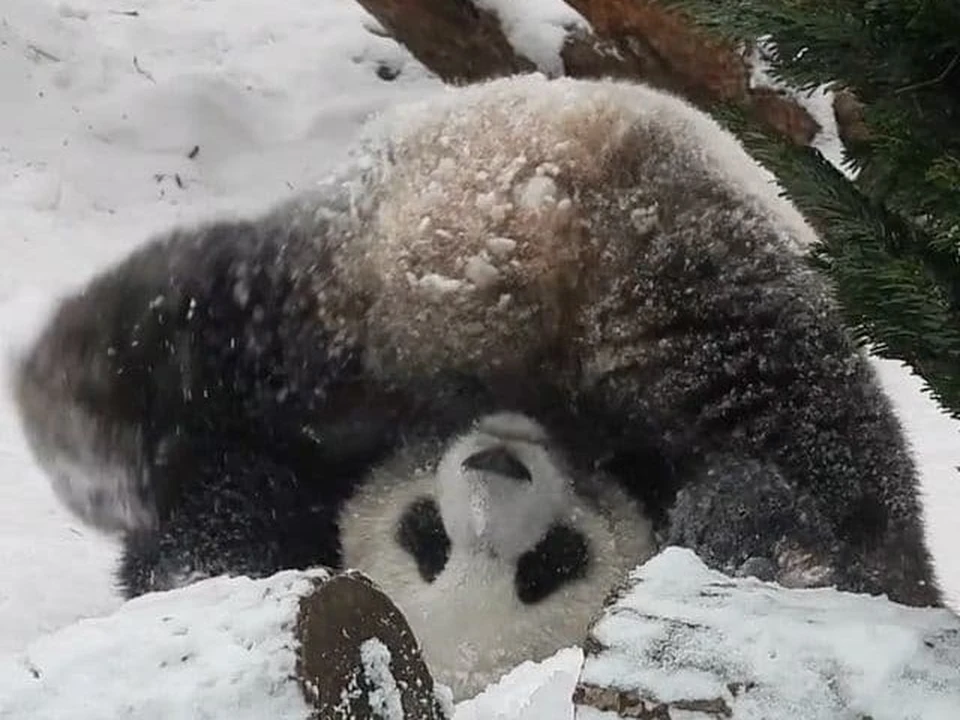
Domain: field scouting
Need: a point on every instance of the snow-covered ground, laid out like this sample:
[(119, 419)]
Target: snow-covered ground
[(122, 118)]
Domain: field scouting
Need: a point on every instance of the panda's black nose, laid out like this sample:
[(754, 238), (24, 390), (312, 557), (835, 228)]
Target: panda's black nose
[(499, 460)]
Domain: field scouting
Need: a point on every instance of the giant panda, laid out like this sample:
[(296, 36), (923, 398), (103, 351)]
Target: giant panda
[(599, 256)]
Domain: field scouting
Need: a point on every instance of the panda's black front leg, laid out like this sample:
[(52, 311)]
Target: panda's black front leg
[(240, 511), (743, 517)]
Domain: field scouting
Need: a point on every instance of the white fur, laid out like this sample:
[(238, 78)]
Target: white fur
[(471, 625), (502, 517)]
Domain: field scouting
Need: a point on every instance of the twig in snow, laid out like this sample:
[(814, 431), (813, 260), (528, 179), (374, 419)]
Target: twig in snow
[(140, 70), (41, 53)]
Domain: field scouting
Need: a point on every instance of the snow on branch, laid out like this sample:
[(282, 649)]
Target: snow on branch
[(684, 641), (295, 646)]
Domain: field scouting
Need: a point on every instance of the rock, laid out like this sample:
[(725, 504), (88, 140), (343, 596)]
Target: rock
[(682, 641), (456, 40), (690, 62), (783, 114)]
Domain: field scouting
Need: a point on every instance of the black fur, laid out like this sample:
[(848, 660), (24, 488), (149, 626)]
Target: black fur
[(561, 556), (421, 533), (201, 367), (664, 282)]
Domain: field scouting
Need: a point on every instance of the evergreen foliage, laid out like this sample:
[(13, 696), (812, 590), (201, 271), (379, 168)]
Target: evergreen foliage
[(890, 239)]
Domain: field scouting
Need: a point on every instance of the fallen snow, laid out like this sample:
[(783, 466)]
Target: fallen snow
[(685, 632), (817, 101), (531, 691), (536, 29), (222, 647), (384, 695)]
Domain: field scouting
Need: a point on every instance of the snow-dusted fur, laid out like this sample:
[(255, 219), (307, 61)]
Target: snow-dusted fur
[(472, 625), (614, 240), (202, 399), (600, 250)]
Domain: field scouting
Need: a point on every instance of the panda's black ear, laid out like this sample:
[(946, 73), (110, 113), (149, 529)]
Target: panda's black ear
[(421, 533), (561, 555)]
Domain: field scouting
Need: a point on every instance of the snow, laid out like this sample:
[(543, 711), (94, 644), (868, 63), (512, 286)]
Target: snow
[(817, 101), (384, 696), (685, 632), (536, 29), (531, 691), (225, 645), (121, 119)]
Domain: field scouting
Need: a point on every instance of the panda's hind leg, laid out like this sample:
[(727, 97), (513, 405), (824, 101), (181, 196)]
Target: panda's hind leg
[(743, 517)]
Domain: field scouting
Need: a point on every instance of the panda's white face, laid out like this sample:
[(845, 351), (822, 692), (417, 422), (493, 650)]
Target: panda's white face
[(490, 552), (499, 489)]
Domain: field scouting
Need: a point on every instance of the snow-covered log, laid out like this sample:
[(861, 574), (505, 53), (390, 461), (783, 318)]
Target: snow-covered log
[(683, 641), (295, 646)]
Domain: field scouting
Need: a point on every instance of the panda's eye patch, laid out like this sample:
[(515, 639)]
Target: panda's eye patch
[(421, 533), (561, 555)]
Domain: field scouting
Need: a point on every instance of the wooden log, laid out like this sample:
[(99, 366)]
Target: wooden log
[(682, 641), (295, 646)]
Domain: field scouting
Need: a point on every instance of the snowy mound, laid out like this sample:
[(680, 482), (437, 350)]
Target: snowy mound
[(240, 648), (694, 640), (220, 648)]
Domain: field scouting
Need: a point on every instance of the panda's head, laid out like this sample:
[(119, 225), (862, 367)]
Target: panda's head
[(501, 502), (495, 550)]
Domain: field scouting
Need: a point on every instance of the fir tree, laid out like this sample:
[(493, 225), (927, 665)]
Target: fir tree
[(890, 239)]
